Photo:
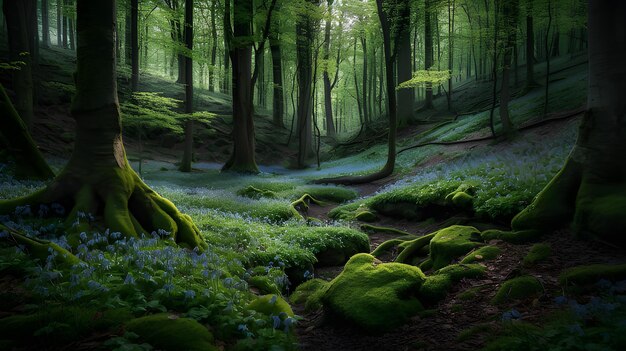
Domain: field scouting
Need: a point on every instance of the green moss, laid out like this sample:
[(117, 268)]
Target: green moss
[(452, 242), (456, 272), (365, 216), (537, 253), (484, 253), (462, 197), (435, 288), (265, 284), (518, 289), (469, 294), (309, 293), (255, 193), (587, 275), (271, 305), (170, 332), (600, 210), (479, 329), (368, 228), (373, 295), (515, 237), (412, 248)]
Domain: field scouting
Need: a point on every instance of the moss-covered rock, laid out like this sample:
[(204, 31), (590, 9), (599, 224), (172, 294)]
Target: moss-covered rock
[(365, 216), (591, 274), (435, 288), (271, 304), (167, 332), (373, 295), (537, 253), (256, 193), (462, 197), (456, 272), (484, 253), (452, 242), (519, 288), (309, 293), (514, 237)]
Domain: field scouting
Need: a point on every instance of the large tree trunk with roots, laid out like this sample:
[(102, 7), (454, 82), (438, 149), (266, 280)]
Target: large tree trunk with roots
[(590, 190), (389, 166), (98, 178), (242, 159)]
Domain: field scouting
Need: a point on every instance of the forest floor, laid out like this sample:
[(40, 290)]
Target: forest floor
[(249, 233)]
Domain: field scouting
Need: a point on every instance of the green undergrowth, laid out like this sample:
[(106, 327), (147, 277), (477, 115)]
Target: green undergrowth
[(519, 288), (537, 253)]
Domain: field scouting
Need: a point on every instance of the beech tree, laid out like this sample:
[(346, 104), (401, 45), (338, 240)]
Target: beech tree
[(590, 190), (98, 178)]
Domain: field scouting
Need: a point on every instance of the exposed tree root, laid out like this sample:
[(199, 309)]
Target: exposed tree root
[(117, 195), (39, 249), (302, 204)]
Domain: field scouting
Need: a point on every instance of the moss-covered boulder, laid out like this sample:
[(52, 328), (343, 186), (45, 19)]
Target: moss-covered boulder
[(310, 294), (519, 288), (373, 295), (437, 285), (167, 332), (462, 197), (538, 252), (271, 304), (484, 253), (591, 274), (451, 243)]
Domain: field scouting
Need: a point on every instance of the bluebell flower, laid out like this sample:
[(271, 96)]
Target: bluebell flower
[(276, 322), (190, 294), (129, 279), (511, 315)]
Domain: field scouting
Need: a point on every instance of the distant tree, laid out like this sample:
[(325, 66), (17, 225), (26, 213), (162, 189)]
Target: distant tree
[(45, 24), (98, 179), (134, 43), (406, 97), (278, 103), (21, 23), (428, 47), (328, 101), (590, 190), (185, 165)]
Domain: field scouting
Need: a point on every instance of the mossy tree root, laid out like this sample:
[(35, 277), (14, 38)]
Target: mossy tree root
[(413, 247), (302, 204), (119, 198), (39, 249)]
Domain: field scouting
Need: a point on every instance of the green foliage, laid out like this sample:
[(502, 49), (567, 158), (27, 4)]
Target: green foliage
[(588, 275), (422, 78), (310, 294)]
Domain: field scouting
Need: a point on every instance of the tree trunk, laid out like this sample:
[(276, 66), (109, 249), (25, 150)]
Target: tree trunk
[(29, 161), (510, 14), (45, 24), (227, 49), (429, 54), (59, 22), (530, 49), (242, 158), (390, 58), (406, 97), (20, 35), (213, 47), (304, 56), (185, 165), (590, 190), (98, 178), (134, 43), (278, 104), (328, 100), (366, 116), (128, 35)]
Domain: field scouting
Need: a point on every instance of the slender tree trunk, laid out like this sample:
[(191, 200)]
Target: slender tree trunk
[(45, 24), (328, 100), (185, 165), (510, 13), (213, 47), (59, 22), (428, 46), (406, 97), (20, 35), (547, 47), (227, 57), (128, 35), (366, 116), (450, 49), (530, 49), (134, 43)]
